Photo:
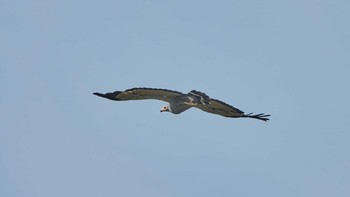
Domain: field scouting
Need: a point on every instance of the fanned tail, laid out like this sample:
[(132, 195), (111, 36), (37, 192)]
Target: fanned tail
[(261, 116)]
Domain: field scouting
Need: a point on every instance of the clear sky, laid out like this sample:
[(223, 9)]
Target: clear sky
[(287, 58)]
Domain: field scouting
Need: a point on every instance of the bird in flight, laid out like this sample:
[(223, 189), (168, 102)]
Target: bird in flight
[(179, 102)]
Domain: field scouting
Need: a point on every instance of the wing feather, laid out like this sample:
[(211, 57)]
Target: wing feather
[(224, 109), (221, 108), (141, 94)]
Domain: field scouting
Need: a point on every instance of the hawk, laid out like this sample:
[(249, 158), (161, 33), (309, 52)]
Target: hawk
[(179, 102)]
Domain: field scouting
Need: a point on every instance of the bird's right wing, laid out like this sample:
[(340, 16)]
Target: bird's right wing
[(140, 94)]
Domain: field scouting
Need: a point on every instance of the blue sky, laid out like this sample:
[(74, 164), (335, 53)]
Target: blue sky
[(286, 58)]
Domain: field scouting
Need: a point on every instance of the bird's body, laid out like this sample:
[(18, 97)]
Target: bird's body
[(182, 102), (177, 106), (179, 102)]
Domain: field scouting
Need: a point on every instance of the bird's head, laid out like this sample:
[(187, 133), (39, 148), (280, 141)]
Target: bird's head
[(165, 108)]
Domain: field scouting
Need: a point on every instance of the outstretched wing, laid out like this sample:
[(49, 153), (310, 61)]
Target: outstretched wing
[(140, 94), (224, 109), (220, 108)]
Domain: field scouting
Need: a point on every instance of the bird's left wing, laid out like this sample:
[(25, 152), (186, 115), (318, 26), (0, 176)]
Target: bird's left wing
[(140, 94), (220, 108), (224, 109)]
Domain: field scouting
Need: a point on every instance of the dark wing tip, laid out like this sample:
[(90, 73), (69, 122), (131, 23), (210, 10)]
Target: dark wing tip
[(111, 96), (97, 94), (261, 116)]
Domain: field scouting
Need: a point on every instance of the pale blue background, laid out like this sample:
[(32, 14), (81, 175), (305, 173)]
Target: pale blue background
[(289, 58)]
